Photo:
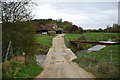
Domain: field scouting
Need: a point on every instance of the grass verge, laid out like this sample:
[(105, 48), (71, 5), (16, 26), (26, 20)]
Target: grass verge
[(44, 39), (29, 71), (99, 64), (43, 42), (16, 68)]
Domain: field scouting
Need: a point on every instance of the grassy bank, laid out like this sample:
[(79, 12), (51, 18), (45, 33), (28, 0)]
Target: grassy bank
[(100, 63), (97, 63), (29, 71), (17, 68), (43, 42)]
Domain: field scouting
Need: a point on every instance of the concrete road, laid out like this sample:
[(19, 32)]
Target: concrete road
[(58, 63)]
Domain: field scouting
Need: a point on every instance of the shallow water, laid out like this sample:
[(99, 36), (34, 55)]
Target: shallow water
[(40, 59), (96, 48), (89, 50)]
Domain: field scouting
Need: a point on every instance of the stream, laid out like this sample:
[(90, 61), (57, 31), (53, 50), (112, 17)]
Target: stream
[(89, 50)]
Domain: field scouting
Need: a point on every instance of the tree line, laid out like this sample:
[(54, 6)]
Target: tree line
[(115, 28)]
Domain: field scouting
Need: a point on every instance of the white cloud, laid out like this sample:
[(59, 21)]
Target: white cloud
[(46, 11), (112, 11), (75, 0), (87, 15)]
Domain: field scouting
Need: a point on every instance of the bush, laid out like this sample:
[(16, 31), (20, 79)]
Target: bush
[(6, 69), (21, 36), (18, 60), (12, 66), (16, 68)]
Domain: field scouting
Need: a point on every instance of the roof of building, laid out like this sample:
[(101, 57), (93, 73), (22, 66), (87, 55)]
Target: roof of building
[(46, 27), (49, 27)]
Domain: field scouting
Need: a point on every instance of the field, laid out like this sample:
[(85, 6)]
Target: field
[(92, 36), (101, 64), (44, 39), (43, 42)]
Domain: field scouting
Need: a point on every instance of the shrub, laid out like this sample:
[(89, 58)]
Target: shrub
[(12, 66), (16, 68), (21, 35), (18, 60)]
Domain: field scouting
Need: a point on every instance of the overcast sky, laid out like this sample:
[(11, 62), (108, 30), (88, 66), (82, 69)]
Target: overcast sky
[(88, 15)]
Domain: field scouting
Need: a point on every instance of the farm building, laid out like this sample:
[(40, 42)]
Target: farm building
[(49, 28)]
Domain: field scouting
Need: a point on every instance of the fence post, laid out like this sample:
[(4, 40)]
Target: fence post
[(111, 57), (8, 50), (94, 55)]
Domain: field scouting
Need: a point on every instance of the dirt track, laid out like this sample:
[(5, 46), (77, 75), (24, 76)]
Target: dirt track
[(58, 63)]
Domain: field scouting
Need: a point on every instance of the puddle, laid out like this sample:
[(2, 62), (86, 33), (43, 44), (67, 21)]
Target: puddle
[(40, 59), (60, 53)]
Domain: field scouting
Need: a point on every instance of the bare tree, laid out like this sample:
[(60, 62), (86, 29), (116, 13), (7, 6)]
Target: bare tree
[(16, 11)]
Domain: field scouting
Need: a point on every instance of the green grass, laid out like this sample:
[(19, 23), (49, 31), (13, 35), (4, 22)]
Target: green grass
[(97, 62), (43, 42), (105, 56), (99, 36), (71, 36), (44, 39), (29, 71), (91, 36), (17, 68)]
